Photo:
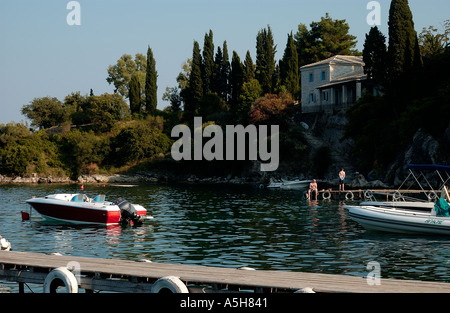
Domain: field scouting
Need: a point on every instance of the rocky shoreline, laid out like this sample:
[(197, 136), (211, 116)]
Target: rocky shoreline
[(356, 181), (121, 179)]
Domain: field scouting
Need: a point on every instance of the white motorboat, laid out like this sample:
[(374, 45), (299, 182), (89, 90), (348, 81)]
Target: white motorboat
[(399, 220), (289, 184), (408, 218), (80, 209)]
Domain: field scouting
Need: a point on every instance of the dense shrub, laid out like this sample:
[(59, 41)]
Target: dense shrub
[(47, 112), (270, 109), (79, 151), (23, 153), (138, 141)]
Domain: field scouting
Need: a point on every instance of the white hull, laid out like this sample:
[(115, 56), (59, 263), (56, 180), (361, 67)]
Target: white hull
[(399, 220), (292, 184), (79, 209), (408, 205)]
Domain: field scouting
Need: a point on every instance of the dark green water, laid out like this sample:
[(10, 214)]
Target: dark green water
[(228, 226)]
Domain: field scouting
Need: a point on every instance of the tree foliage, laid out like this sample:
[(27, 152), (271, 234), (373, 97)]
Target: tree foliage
[(371, 127), (375, 56), (23, 152), (205, 79), (47, 112), (135, 94), (404, 52), (172, 95), (105, 111), (430, 105), (240, 84), (213, 108), (251, 90), (325, 39), (151, 87), (249, 67), (289, 69), (80, 150), (265, 60), (433, 42), (193, 93), (108, 139), (222, 72), (139, 141), (208, 65), (269, 109), (236, 82), (120, 74)]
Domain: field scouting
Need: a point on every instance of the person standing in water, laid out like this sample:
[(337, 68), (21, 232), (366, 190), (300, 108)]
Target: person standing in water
[(341, 179)]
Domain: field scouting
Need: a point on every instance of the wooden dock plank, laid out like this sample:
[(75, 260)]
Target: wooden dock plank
[(195, 274), (358, 194)]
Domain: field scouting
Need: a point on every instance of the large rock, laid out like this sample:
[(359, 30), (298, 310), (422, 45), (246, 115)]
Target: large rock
[(424, 149), (360, 182)]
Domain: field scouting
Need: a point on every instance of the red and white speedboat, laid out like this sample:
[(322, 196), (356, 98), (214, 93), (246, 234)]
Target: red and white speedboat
[(80, 209)]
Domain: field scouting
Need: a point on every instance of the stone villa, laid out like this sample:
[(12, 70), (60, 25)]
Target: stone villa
[(334, 83)]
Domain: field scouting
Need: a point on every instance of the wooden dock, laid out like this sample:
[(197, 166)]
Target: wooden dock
[(96, 274), (360, 194)]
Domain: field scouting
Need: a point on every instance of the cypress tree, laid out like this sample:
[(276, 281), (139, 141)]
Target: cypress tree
[(150, 83), (402, 39), (260, 58), (218, 62), (265, 60), (289, 74), (135, 94), (224, 87), (249, 68), (236, 81), (195, 91), (375, 55), (208, 62)]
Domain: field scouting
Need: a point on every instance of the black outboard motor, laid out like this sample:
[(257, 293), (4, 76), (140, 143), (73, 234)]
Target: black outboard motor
[(128, 212)]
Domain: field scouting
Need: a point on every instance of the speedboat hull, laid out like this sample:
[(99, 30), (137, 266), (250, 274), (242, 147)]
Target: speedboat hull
[(62, 208), (399, 220)]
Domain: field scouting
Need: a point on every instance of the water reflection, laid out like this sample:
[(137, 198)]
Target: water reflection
[(228, 226)]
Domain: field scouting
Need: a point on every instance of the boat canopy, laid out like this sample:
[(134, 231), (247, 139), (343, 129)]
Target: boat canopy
[(440, 170), (429, 167)]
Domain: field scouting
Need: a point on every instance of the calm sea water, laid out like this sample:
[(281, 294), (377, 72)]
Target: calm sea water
[(228, 226)]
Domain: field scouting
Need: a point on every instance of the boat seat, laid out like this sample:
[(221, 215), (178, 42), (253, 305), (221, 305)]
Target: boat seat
[(78, 198), (99, 198)]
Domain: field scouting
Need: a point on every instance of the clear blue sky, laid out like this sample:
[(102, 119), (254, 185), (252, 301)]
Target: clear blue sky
[(41, 55)]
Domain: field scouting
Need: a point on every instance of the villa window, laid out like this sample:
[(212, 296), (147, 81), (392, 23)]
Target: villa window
[(311, 77), (323, 75)]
